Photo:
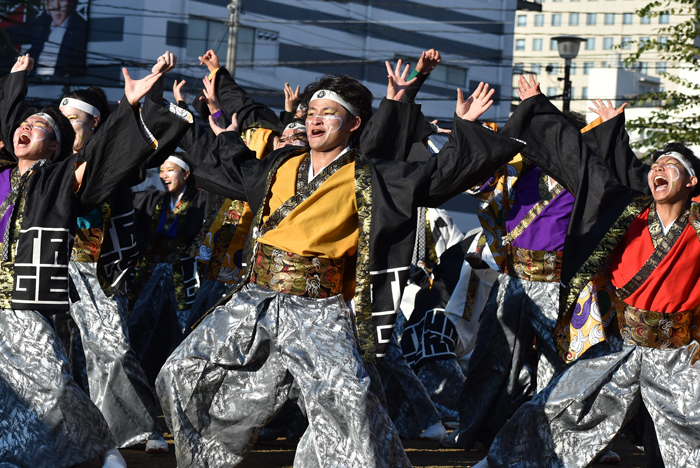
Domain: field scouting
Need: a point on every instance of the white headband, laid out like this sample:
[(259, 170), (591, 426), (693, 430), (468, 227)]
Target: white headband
[(179, 162), (682, 160), (81, 105), (51, 122), (335, 97), (295, 126)]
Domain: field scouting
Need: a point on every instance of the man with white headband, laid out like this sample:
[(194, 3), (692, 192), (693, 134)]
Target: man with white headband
[(47, 419), (332, 230), (639, 252)]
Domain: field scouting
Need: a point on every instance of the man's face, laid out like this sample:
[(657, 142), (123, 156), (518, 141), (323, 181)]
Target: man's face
[(34, 138), (292, 137), (327, 125), (172, 177), (668, 180), (59, 10), (82, 123)]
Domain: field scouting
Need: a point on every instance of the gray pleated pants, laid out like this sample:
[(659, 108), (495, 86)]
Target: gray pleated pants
[(117, 383), (233, 373), (575, 418)]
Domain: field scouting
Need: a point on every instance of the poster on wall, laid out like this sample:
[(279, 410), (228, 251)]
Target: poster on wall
[(53, 32)]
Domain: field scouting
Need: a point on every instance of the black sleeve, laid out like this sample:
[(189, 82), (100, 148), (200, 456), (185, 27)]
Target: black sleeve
[(13, 91), (471, 155), (286, 118), (234, 99), (412, 89), (391, 131), (611, 142), (118, 148), (224, 164)]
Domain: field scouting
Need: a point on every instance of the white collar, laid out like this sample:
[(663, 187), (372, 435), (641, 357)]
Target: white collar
[(312, 176), (179, 197), (663, 226)]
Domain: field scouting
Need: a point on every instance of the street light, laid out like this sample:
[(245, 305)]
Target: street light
[(568, 49)]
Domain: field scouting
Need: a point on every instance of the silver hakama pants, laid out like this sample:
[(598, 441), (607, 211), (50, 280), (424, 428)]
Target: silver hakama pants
[(116, 381), (497, 382), (46, 420), (234, 371), (574, 419)]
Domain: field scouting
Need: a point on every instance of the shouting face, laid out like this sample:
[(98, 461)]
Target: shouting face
[(669, 181), (328, 125), (34, 139)]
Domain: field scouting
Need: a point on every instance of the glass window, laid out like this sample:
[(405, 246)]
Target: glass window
[(587, 67), (556, 19), (627, 18), (553, 69), (573, 19), (646, 20), (551, 91), (584, 92), (537, 44), (644, 67), (553, 44), (573, 92), (590, 43), (539, 20), (573, 70), (607, 43), (643, 40), (457, 76), (518, 68), (660, 67), (609, 18), (522, 20), (536, 68), (664, 18), (520, 44), (663, 40), (591, 19), (626, 42)]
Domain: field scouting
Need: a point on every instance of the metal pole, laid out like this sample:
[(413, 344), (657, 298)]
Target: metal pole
[(567, 84), (234, 10)]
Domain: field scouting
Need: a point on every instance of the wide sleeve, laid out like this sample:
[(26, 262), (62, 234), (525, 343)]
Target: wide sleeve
[(121, 146), (13, 91), (234, 99), (223, 165), (390, 132), (610, 142), (472, 154)]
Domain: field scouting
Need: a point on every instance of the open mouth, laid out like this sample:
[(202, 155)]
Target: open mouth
[(24, 140), (316, 132), (660, 183)]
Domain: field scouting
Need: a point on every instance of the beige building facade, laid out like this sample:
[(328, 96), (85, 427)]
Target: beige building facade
[(612, 30)]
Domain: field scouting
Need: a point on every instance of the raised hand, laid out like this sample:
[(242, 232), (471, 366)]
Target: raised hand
[(177, 90), (165, 63), (429, 59), (478, 103), (606, 110), (291, 97), (217, 129), (209, 97), (397, 83), (439, 129), (136, 89), (23, 63), (527, 89), (210, 59)]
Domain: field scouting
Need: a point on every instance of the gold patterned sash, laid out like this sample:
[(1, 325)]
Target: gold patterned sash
[(662, 246), (289, 273), (532, 214), (534, 265), (655, 329)]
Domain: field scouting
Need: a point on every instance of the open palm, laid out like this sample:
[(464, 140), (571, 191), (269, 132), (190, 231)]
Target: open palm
[(136, 89), (473, 107)]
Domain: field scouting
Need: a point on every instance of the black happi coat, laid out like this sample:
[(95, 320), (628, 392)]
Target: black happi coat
[(608, 188), (388, 193), (51, 205)]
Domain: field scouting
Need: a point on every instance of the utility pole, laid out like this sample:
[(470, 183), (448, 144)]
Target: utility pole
[(234, 10)]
